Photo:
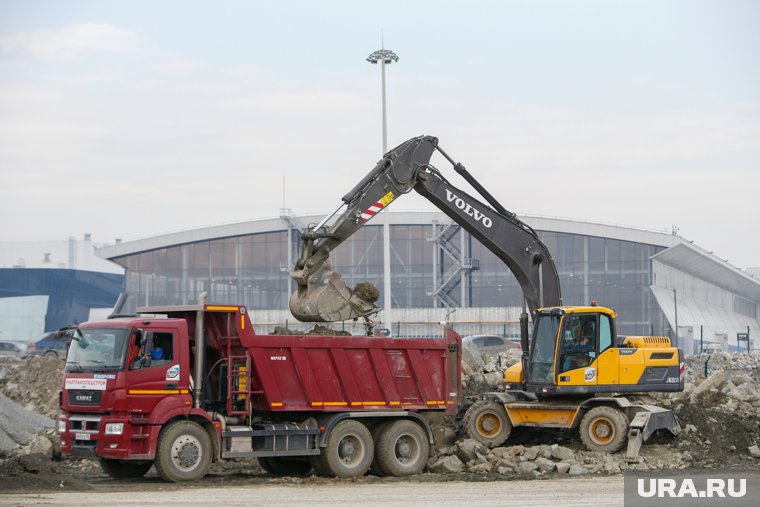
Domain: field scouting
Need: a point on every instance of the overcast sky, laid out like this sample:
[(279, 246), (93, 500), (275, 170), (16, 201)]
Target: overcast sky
[(134, 118)]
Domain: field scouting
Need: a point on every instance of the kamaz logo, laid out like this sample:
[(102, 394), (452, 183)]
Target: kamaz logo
[(84, 397), (468, 209)]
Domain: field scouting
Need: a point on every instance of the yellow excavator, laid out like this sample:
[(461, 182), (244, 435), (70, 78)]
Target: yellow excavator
[(574, 370), (575, 374)]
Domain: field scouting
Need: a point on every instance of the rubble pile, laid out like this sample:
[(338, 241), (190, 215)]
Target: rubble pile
[(33, 383), (23, 431), (482, 373), (469, 456), (720, 412)]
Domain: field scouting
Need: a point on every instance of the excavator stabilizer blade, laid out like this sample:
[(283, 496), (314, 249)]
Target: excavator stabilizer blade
[(326, 298)]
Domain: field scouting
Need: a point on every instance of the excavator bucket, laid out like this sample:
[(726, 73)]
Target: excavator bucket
[(327, 298)]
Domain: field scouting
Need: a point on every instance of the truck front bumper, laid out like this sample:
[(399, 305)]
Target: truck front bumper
[(99, 436)]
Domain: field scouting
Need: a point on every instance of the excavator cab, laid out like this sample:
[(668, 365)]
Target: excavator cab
[(564, 351)]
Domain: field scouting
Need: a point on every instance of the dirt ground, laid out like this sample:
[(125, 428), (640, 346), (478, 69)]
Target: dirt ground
[(598, 491), (721, 422)]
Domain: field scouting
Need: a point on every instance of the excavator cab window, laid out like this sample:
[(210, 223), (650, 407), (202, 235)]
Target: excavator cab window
[(542, 351), (579, 339), (605, 332)]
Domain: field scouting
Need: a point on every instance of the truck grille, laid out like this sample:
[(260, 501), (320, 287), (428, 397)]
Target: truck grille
[(84, 423)]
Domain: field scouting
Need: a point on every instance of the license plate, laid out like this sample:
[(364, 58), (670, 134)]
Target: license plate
[(82, 436)]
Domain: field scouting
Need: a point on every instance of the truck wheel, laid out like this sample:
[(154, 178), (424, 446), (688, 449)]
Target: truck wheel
[(125, 469), (487, 422), (604, 429), (402, 449), (349, 450), (319, 466), (285, 466), (376, 431), (183, 453)]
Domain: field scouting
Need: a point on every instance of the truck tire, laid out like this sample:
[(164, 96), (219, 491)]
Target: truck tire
[(285, 466), (125, 469), (319, 466), (402, 449), (266, 465), (183, 453), (604, 429), (349, 450), (376, 431), (488, 423)]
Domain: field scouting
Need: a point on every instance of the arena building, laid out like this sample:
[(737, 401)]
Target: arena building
[(656, 281)]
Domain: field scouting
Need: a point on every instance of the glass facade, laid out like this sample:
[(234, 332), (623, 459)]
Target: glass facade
[(254, 270), (72, 293)]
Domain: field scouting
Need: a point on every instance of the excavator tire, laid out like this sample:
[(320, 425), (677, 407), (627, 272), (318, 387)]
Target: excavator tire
[(488, 423), (604, 429)]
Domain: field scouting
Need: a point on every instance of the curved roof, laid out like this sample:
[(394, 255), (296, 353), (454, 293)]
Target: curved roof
[(539, 223), (692, 260)]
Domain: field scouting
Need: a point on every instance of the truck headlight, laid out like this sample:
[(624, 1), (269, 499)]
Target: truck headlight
[(61, 425), (114, 428)]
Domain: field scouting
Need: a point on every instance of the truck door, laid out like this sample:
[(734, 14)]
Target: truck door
[(151, 380)]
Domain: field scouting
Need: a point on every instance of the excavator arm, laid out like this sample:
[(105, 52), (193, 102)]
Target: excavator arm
[(322, 296)]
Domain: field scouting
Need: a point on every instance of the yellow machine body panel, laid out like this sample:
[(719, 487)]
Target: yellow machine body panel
[(542, 414)]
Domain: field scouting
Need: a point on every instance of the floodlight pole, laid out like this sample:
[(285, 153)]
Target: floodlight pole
[(385, 56)]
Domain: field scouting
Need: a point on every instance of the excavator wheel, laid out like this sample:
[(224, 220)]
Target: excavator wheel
[(488, 423), (604, 429)]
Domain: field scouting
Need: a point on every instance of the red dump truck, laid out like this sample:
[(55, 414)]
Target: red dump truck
[(180, 387)]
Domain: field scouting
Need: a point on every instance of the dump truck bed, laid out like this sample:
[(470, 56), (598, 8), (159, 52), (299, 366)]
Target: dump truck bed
[(339, 373)]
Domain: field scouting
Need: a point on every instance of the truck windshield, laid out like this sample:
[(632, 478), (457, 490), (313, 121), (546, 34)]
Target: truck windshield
[(97, 350), (542, 355)]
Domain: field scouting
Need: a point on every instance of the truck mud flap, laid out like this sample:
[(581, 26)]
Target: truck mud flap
[(648, 419)]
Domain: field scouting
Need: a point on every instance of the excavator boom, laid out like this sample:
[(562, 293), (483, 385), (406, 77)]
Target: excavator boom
[(322, 296)]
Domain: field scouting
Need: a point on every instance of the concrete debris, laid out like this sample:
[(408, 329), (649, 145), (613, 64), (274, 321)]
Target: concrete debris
[(754, 451), (447, 465), (469, 449), (317, 330), (481, 372), (367, 292)]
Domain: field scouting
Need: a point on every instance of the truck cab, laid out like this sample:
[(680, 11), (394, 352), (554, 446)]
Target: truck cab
[(118, 388)]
